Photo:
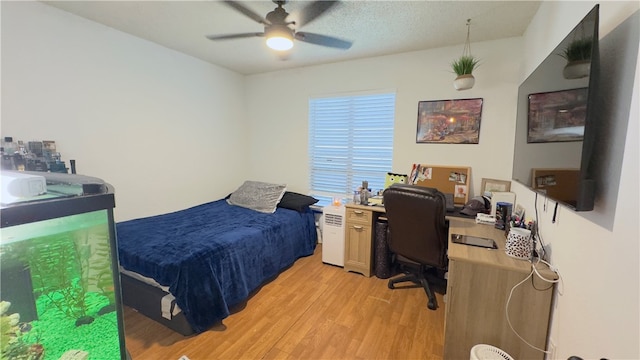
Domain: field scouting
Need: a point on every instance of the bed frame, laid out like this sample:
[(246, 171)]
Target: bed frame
[(147, 300)]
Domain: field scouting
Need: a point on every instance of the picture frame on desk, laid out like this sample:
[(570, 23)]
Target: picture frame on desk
[(449, 121), (494, 185)]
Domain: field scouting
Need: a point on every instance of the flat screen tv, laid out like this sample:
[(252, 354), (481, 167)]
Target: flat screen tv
[(556, 125)]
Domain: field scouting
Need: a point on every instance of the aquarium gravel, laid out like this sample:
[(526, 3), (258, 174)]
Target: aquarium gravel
[(58, 332)]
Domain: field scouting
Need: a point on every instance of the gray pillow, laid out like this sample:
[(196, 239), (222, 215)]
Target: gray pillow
[(259, 196)]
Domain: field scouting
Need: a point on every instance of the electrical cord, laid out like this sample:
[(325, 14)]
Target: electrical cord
[(509, 320), (543, 247), (551, 267), (533, 283), (540, 289), (534, 270), (537, 227), (551, 281)]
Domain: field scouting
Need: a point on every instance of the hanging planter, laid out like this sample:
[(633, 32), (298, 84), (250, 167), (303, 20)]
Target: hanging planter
[(463, 66), (464, 82), (578, 56), (577, 69)]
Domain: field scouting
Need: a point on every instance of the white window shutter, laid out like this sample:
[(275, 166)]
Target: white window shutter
[(350, 140)]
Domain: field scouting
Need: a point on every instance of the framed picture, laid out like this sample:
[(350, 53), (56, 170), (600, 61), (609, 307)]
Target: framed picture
[(493, 185), (557, 116), (449, 121)]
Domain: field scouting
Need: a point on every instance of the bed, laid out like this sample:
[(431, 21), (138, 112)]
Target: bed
[(186, 269)]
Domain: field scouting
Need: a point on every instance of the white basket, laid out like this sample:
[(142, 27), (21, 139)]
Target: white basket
[(488, 352)]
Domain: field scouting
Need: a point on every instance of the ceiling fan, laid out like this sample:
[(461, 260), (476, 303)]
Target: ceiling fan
[(280, 32)]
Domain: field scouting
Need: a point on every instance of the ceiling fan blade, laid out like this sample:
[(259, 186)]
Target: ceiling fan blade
[(247, 12), (233, 36), (312, 11), (323, 40)]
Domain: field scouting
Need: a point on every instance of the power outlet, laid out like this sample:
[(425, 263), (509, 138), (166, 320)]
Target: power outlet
[(551, 355)]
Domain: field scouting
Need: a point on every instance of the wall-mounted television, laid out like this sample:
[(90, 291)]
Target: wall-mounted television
[(556, 125)]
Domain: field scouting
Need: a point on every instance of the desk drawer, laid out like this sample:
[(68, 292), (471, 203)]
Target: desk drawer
[(359, 216)]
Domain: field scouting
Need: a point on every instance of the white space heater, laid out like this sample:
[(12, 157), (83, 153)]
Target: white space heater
[(333, 235)]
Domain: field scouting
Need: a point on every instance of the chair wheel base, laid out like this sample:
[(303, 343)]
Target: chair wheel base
[(432, 305), (391, 286)]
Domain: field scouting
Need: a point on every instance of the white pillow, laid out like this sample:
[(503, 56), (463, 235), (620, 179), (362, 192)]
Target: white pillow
[(259, 196)]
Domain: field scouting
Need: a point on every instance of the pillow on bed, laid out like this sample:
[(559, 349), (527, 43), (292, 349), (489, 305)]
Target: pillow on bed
[(258, 196), (296, 201)]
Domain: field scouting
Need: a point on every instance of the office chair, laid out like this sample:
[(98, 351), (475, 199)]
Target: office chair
[(418, 233)]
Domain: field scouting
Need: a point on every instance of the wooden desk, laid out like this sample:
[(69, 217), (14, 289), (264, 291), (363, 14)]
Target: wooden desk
[(478, 287), (479, 283)]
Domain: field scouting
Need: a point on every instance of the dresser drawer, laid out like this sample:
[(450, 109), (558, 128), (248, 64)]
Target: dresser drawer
[(358, 216)]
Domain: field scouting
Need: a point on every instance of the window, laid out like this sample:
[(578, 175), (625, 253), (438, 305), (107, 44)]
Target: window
[(350, 140)]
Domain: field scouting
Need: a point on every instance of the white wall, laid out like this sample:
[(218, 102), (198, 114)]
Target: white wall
[(597, 314), (165, 129), (277, 104)]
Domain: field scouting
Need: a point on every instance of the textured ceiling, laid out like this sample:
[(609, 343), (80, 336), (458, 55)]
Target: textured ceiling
[(375, 27)]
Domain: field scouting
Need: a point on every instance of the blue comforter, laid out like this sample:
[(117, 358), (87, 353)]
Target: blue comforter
[(213, 255)]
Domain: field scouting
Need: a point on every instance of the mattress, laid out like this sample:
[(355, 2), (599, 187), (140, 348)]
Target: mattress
[(211, 256)]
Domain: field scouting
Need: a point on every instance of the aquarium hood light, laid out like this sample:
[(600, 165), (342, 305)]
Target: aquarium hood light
[(17, 186)]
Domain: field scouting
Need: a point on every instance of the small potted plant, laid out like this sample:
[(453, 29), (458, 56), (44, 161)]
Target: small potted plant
[(578, 56), (463, 67)]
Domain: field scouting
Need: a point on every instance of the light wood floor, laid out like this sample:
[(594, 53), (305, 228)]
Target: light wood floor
[(310, 311)]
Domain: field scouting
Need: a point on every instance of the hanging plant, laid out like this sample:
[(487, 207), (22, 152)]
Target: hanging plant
[(464, 65), (577, 50), (578, 56)]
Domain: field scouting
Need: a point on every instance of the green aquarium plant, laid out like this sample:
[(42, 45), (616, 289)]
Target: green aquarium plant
[(56, 273), (68, 269), (12, 340), (100, 273)]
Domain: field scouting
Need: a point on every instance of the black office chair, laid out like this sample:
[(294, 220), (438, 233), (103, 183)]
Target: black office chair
[(418, 233)]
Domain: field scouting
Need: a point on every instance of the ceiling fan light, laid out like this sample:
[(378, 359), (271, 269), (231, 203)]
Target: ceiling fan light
[(279, 37), (279, 43)]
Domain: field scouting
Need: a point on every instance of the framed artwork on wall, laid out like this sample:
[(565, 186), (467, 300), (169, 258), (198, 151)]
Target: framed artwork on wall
[(493, 185), (449, 121), (557, 116)]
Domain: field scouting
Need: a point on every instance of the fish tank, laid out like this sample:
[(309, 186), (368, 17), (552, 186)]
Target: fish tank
[(60, 286)]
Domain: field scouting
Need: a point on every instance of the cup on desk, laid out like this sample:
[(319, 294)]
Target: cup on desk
[(503, 214), (519, 244)]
